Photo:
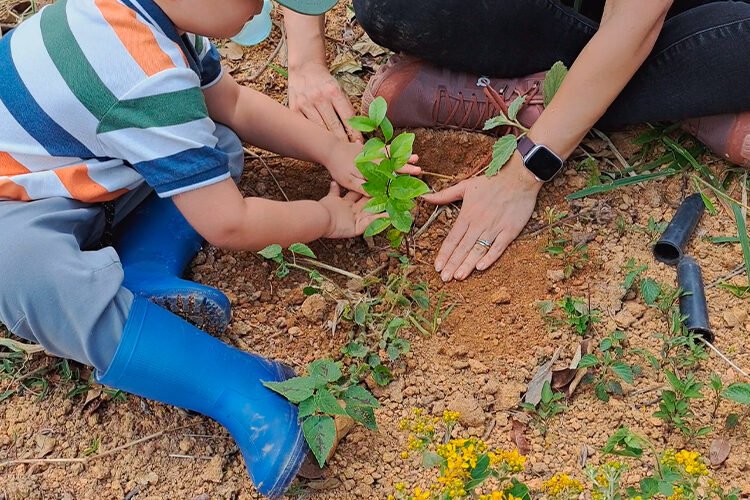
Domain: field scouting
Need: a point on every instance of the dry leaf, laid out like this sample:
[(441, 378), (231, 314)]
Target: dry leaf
[(232, 51), (719, 452), (562, 378), (45, 444), (518, 436), (583, 456), (20, 347), (345, 62), (352, 85), (365, 45), (586, 348), (543, 374)]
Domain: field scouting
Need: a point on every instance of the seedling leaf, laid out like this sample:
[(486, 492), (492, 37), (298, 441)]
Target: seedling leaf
[(501, 153), (623, 371), (325, 369), (553, 81), (271, 252), (377, 226), (516, 106), (405, 187), (359, 396), (588, 361), (650, 291), (364, 415), (326, 403), (302, 249), (401, 149), (739, 393), (376, 205), (362, 123), (377, 110), (387, 128), (498, 121), (320, 434), (295, 389)]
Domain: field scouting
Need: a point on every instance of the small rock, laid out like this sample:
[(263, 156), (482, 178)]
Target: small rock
[(501, 296), (509, 394), (477, 366), (625, 318), (295, 331), (471, 414), (460, 364), (636, 309), (556, 275), (735, 317), (313, 308), (214, 470)]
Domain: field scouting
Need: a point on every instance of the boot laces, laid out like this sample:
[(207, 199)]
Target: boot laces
[(472, 113)]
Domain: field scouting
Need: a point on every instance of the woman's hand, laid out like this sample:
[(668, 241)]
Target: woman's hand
[(316, 94), (495, 211), (341, 166), (348, 217)]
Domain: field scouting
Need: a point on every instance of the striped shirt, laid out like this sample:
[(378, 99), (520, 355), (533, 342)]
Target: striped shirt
[(99, 96)]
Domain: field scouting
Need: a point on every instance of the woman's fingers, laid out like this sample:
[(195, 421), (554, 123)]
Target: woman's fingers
[(448, 195), (478, 251), (504, 239), (353, 196), (332, 121), (345, 110), (334, 189), (454, 237), (461, 252)]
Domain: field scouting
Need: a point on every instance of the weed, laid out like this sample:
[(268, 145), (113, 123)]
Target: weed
[(548, 408), (675, 405), (573, 255), (93, 447), (318, 394), (609, 368), (379, 163), (571, 311)]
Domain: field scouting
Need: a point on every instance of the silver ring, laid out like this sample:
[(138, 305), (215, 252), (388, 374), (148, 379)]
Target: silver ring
[(486, 244)]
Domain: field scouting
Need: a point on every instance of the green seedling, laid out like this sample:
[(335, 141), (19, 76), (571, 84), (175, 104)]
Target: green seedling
[(504, 148), (547, 408), (574, 256), (320, 395), (609, 368), (675, 405), (573, 312), (379, 162)]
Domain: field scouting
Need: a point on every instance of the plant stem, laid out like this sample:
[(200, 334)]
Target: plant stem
[(327, 267), (439, 176)]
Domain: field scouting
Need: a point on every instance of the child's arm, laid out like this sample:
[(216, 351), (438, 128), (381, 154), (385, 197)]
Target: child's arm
[(227, 220), (263, 122)]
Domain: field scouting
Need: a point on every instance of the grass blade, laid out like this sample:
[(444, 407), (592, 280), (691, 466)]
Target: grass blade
[(628, 181), (742, 235)]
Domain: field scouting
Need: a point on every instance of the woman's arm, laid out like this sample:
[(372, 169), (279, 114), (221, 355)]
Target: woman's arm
[(497, 209), (313, 92)]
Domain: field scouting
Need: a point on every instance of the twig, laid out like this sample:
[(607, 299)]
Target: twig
[(9, 463), (429, 222), (647, 390), (740, 269), (274, 54), (614, 149), (331, 268), (439, 176), (258, 157), (189, 457), (722, 356)]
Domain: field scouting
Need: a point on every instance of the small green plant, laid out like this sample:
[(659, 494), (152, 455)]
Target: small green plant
[(275, 253), (379, 162), (504, 148), (678, 474), (93, 447), (318, 394), (574, 256), (675, 405), (609, 368), (547, 408), (579, 315)]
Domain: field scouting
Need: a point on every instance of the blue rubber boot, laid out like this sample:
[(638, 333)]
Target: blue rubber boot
[(164, 358), (156, 244)]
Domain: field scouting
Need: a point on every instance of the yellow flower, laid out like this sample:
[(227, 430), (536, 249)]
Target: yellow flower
[(562, 486), (400, 486), (677, 495), (404, 455), (450, 417), (512, 461), (420, 495), (692, 462)]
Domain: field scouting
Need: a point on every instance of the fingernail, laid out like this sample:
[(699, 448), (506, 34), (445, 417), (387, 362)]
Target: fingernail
[(439, 265), (481, 267), (446, 277), (460, 276)]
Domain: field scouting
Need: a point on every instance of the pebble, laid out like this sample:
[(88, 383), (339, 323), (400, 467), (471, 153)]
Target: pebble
[(313, 308), (501, 296), (471, 414)]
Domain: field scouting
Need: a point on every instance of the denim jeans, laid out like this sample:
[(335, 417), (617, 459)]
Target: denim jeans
[(698, 67)]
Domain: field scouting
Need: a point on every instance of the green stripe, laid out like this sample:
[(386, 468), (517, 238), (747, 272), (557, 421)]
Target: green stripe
[(198, 44), (162, 110), (71, 62)]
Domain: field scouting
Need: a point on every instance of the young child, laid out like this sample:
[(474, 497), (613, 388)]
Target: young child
[(109, 113)]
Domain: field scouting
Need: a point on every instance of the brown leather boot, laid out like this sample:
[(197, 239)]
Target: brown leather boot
[(727, 135), (422, 95)]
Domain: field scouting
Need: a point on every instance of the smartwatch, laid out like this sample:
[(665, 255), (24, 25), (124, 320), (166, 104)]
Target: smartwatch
[(539, 159)]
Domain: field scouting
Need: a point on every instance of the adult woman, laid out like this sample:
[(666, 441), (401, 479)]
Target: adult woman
[(631, 61)]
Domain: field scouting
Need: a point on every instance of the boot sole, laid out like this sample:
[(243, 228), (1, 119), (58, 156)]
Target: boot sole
[(201, 312)]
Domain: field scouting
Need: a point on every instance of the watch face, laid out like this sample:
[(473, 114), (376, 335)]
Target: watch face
[(543, 163)]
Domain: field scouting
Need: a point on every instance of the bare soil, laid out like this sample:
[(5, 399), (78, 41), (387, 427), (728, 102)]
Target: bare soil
[(480, 361)]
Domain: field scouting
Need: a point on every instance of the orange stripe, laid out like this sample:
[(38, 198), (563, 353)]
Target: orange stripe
[(9, 190), (10, 166), (82, 187), (135, 36)]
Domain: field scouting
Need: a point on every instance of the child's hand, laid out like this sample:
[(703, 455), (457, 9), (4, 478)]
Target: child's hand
[(347, 215), (342, 169)]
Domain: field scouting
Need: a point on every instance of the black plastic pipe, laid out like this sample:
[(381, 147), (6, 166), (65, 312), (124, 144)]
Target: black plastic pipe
[(670, 247), (693, 306)]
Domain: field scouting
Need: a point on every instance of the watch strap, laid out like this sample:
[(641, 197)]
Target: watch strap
[(525, 145)]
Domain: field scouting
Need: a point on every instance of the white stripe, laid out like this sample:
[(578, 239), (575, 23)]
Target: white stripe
[(114, 175), (167, 45), (47, 86), (102, 48), (139, 145), (14, 138), (171, 80), (37, 163), (193, 187), (42, 185)]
